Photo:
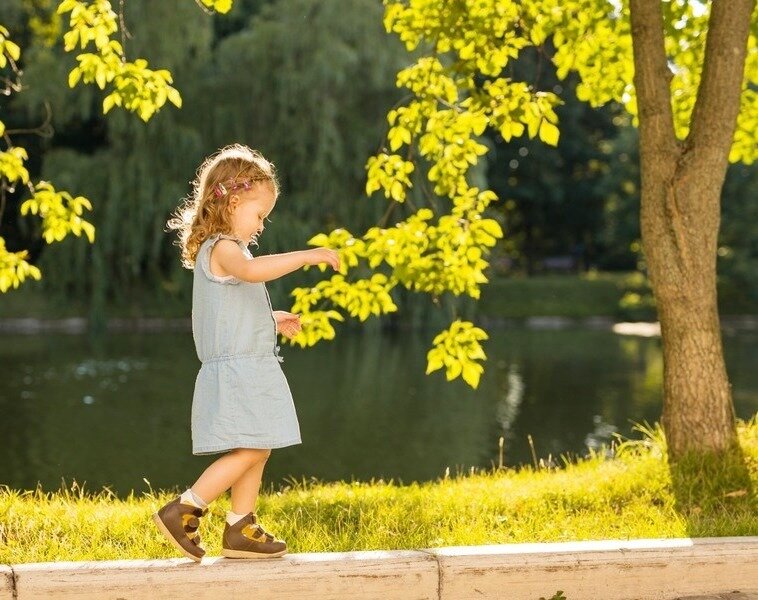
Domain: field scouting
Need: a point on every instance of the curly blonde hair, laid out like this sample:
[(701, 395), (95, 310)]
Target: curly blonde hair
[(206, 210)]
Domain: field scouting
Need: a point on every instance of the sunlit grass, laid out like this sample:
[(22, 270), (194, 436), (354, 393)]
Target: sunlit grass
[(573, 296), (619, 295), (629, 496)]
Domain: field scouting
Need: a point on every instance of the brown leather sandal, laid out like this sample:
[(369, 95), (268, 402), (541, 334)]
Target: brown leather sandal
[(247, 539), (179, 523)]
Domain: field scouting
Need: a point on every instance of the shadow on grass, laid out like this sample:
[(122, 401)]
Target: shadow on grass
[(714, 492)]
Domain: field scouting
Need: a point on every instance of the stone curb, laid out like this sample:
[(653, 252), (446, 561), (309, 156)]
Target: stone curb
[(663, 569)]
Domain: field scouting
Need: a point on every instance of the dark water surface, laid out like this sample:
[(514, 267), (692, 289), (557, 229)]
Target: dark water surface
[(113, 412)]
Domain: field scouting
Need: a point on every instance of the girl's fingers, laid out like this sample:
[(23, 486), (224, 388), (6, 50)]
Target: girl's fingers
[(290, 331)]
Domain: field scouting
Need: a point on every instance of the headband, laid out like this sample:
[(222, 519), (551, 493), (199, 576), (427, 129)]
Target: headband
[(221, 190)]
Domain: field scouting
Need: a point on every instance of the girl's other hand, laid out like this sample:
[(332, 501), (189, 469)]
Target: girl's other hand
[(316, 256), (287, 323)]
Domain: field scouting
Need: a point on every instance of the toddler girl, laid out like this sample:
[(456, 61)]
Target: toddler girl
[(242, 405)]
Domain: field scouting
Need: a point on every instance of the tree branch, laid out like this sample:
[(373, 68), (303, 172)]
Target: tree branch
[(659, 149), (714, 117), (652, 77)]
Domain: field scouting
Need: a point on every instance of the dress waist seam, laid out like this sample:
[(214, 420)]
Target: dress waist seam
[(215, 359)]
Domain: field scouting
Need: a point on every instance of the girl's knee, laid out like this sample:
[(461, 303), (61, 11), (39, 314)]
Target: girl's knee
[(253, 455)]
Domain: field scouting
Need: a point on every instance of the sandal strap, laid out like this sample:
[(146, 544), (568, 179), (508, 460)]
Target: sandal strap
[(266, 534)]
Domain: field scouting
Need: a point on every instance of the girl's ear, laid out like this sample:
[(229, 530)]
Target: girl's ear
[(233, 202)]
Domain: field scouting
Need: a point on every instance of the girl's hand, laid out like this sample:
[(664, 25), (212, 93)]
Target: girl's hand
[(317, 256), (287, 323)]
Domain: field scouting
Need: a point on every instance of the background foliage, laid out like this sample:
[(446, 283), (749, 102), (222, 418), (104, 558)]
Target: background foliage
[(310, 83)]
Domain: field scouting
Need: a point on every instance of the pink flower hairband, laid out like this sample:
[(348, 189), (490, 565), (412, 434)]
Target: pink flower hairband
[(221, 190)]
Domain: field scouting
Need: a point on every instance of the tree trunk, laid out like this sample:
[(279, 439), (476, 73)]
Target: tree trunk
[(680, 212)]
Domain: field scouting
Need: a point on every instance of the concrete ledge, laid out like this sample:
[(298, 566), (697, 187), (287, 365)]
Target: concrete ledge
[(388, 575), (605, 570), (609, 570), (6, 583)]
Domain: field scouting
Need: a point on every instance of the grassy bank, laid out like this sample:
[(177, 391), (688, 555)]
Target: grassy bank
[(633, 495), (32, 300), (623, 296), (576, 296)]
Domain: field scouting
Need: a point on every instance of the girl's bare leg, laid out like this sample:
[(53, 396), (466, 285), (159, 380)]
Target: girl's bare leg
[(220, 475), (245, 489)]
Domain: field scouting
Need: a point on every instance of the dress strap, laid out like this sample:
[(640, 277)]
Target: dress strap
[(204, 258), (224, 236)]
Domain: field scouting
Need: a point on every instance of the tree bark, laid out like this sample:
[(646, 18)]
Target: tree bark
[(681, 185)]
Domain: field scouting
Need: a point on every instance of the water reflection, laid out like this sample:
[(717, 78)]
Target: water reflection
[(116, 411)]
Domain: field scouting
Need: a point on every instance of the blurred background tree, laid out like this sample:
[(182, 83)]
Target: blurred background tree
[(307, 83)]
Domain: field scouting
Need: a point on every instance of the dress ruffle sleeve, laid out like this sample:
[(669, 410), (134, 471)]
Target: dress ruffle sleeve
[(205, 260)]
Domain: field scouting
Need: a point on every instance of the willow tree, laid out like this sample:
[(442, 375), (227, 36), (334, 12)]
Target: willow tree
[(135, 172), (678, 67), (93, 35), (319, 78)]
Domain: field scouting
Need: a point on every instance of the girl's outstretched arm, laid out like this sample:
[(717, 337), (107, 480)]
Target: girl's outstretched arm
[(228, 258)]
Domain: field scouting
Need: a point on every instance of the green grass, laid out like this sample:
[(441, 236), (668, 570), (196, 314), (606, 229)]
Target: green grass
[(32, 300), (616, 295), (632, 495), (624, 296), (555, 295)]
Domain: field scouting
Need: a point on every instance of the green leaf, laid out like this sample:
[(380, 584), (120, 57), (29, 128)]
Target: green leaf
[(453, 370), (223, 6), (468, 51), (492, 227), (434, 362), (89, 231), (12, 49), (29, 206), (100, 78), (74, 76), (174, 97), (537, 35), (532, 123), (471, 373), (398, 136), (397, 192), (320, 239), (549, 133), (66, 6), (108, 102)]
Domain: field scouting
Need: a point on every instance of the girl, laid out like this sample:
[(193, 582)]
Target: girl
[(242, 405)]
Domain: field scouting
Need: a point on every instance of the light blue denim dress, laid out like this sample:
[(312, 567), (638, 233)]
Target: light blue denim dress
[(241, 398)]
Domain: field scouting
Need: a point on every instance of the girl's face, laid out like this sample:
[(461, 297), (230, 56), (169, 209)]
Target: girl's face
[(249, 208)]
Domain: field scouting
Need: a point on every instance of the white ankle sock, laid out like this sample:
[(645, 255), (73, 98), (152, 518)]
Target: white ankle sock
[(233, 517), (190, 497)]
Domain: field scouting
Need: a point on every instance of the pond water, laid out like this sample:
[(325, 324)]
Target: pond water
[(116, 411)]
